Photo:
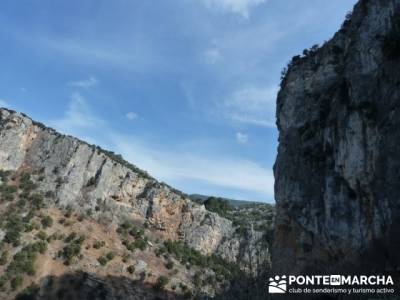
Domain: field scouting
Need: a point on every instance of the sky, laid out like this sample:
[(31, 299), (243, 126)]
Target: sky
[(184, 89)]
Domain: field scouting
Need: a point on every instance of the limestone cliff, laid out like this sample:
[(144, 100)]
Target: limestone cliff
[(337, 171), (118, 208), (90, 180)]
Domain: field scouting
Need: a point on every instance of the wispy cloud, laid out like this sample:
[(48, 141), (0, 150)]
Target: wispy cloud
[(85, 83), (78, 117), (241, 7), (139, 56), (83, 49), (241, 138), (174, 167), (177, 167), (131, 115), (252, 105)]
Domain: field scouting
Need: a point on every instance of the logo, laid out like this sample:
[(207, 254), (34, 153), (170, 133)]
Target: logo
[(277, 285), (332, 284)]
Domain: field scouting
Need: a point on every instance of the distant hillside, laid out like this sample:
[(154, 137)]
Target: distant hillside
[(235, 203)]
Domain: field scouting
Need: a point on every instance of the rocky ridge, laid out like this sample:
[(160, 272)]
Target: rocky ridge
[(99, 187), (89, 179)]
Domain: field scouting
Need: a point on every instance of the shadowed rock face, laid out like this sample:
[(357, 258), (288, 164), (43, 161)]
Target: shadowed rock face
[(82, 286), (337, 171)]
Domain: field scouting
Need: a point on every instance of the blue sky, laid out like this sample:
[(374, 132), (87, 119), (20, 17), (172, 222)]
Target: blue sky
[(184, 89)]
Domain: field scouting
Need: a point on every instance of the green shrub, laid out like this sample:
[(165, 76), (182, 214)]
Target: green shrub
[(169, 265), (26, 184), (41, 247), (125, 228), (47, 221), (21, 203), (140, 244), (35, 225), (13, 236), (102, 260), (4, 257), (16, 282), (37, 201), (125, 258), (9, 189), (4, 175), (7, 192), (189, 256), (183, 286), (136, 233), (131, 269), (110, 255), (98, 244), (162, 281), (14, 227), (160, 251), (3, 281), (73, 249), (70, 237), (24, 260), (185, 254), (219, 206), (42, 235)]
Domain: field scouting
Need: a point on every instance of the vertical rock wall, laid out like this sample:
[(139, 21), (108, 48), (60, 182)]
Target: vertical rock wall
[(338, 166)]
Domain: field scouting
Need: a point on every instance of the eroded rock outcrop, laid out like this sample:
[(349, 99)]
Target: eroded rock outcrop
[(337, 172)]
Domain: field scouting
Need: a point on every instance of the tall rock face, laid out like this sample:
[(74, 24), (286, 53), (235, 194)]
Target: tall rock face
[(338, 166), (92, 181)]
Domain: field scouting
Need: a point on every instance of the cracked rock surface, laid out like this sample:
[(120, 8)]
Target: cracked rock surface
[(338, 166)]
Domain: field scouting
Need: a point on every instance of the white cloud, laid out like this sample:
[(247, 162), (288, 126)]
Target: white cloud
[(86, 83), (212, 56), (241, 137), (175, 167), (252, 105), (3, 103), (131, 115), (241, 7), (171, 166), (77, 117)]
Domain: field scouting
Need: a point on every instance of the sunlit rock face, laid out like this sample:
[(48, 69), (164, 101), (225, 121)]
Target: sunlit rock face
[(89, 179), (338, 166)]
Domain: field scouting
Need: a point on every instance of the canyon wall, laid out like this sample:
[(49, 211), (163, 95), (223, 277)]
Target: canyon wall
[(338, 166)]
